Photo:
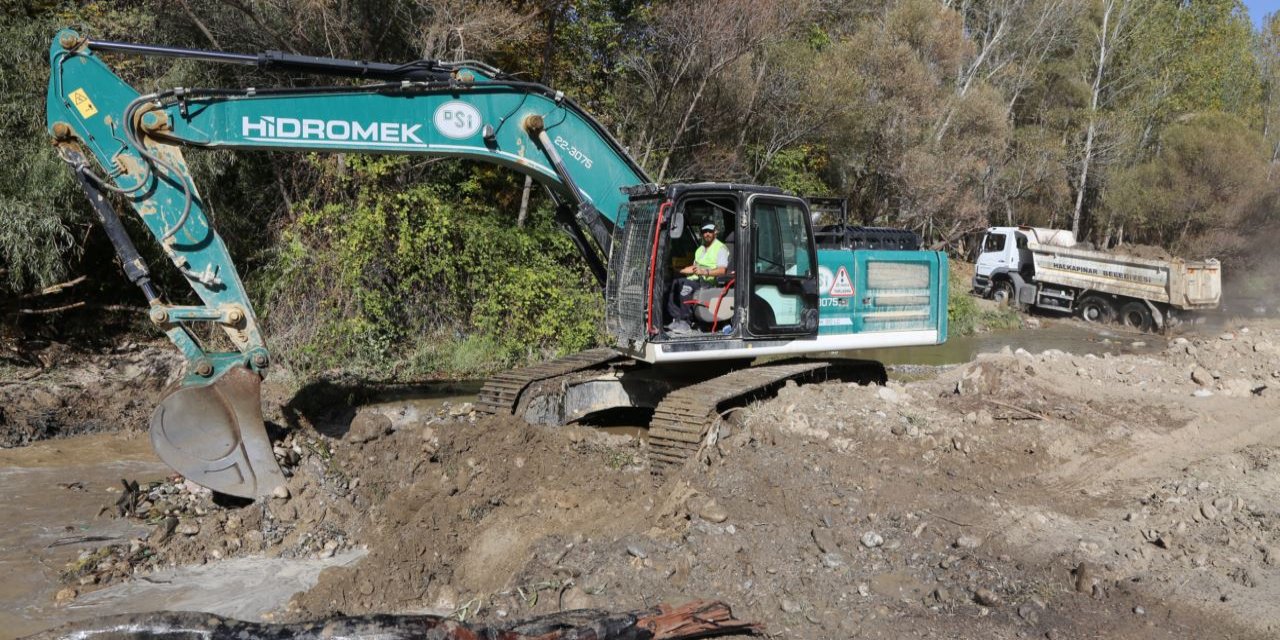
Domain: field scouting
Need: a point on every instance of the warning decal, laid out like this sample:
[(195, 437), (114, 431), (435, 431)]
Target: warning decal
[(842, 286), (83, 104)]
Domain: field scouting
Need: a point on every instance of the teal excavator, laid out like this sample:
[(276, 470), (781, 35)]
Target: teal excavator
[(789, 290)]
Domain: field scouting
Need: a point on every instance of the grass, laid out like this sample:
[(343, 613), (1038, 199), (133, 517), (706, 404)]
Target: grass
[(967, 314)]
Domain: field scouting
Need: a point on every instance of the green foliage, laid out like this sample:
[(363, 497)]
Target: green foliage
[(416, 282), (967, 314), (797, 169), (1206, 180)]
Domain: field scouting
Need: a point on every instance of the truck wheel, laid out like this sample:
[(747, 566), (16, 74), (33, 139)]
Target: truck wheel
[(1136, 315), (1096, 309), (1003, 293)]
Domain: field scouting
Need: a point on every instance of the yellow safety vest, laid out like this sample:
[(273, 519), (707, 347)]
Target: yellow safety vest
[(706, 258)]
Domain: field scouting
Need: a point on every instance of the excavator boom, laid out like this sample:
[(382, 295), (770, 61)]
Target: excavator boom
[(117, 140)]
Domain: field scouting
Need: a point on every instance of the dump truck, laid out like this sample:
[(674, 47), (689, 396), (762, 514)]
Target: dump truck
[(1047, 269)]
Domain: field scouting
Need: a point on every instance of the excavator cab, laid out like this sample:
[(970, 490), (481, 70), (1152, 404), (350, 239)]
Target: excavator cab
[(769, 292)]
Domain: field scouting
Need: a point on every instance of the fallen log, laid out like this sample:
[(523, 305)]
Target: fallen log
[(697, 619)]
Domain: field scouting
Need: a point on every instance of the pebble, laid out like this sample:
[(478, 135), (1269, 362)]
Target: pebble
[(968, 542), (636, 551), (986, 597), (889, 395), (872, 540), (789, 606), (832, 560), (187, 528), (368, 426), (281, 492), (898, 429), (825, 541), (1139, 610), (1202, 393)]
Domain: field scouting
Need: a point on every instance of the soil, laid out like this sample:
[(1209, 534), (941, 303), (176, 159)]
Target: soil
[(1044, 495)]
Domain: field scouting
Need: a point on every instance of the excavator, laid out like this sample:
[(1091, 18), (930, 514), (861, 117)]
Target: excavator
[(788, 296)]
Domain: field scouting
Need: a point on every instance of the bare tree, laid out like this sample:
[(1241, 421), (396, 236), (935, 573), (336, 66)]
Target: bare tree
[(1119, 18), (694, 44)]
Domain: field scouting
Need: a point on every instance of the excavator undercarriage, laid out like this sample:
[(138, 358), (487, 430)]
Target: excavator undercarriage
[(684, 404)]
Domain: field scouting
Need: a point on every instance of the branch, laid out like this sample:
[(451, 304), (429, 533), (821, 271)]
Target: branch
[(53, 289)]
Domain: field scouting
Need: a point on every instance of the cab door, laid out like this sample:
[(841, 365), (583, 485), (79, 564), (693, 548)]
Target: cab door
[(781, 275)]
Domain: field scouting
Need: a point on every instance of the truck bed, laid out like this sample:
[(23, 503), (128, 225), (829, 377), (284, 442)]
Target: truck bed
[(1179, 283)]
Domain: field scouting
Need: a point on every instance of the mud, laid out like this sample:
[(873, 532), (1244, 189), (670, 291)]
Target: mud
[(68, 393), (1123, 491)]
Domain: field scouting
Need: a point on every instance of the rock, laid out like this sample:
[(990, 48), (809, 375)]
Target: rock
[(1029, 614), (712, 512), (636, 551), (872, 540), (1086, 577), (968, 542), (460, 410), (65, 595), (986, 597), (789, 606), (1201, 376), (1224, 504), (898, 429), (187, 529), (825, 540), (162, 531), (832, 560), (280, 493), (1139, 611), (1202, 393), (889, 395), (368, 426), (1209, 511)]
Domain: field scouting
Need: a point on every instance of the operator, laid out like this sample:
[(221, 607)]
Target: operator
[(710, 261)]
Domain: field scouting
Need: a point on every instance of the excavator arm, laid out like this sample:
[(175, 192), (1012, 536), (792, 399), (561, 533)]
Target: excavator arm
[(117, 140)]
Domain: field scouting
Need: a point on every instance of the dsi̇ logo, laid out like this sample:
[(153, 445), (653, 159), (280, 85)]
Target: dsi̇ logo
[(457, 120)]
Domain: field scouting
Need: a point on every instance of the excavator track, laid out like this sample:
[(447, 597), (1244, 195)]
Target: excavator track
[(680, 422), (501, 393)]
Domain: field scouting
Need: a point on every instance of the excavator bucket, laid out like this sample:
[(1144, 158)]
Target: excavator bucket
[(213, 435)]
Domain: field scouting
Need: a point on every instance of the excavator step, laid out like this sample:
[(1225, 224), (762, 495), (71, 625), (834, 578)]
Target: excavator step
[(681, 421), (501, 393)]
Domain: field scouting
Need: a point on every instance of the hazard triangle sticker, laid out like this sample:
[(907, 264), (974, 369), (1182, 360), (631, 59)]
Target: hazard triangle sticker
[(843, 286)]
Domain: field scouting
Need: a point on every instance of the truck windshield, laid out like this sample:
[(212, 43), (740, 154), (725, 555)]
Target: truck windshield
[(993, 242)]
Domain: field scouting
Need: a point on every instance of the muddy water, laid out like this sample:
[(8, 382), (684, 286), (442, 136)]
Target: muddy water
[(1071, 337), (52, 492)]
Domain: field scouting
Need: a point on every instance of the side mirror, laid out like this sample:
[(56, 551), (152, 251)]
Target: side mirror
[(677, 224)]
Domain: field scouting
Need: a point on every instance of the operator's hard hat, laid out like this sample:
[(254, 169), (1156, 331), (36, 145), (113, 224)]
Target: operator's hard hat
[(709, 226)]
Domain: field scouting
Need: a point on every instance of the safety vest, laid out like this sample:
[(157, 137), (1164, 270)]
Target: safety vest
[(706, 257)]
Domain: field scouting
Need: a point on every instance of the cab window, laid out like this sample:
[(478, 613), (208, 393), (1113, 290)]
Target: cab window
[(993, 243)]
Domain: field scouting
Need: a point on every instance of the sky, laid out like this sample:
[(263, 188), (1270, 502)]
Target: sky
[(1260, 8)]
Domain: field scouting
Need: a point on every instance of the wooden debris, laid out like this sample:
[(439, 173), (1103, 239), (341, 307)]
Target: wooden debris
[(697, 619)]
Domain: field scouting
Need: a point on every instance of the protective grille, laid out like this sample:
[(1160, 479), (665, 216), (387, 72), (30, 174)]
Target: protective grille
[(627, 291), (898, 295)]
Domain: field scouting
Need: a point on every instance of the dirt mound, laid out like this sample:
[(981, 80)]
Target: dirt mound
[(1020, 495), (1144, 251), (80, 393)]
